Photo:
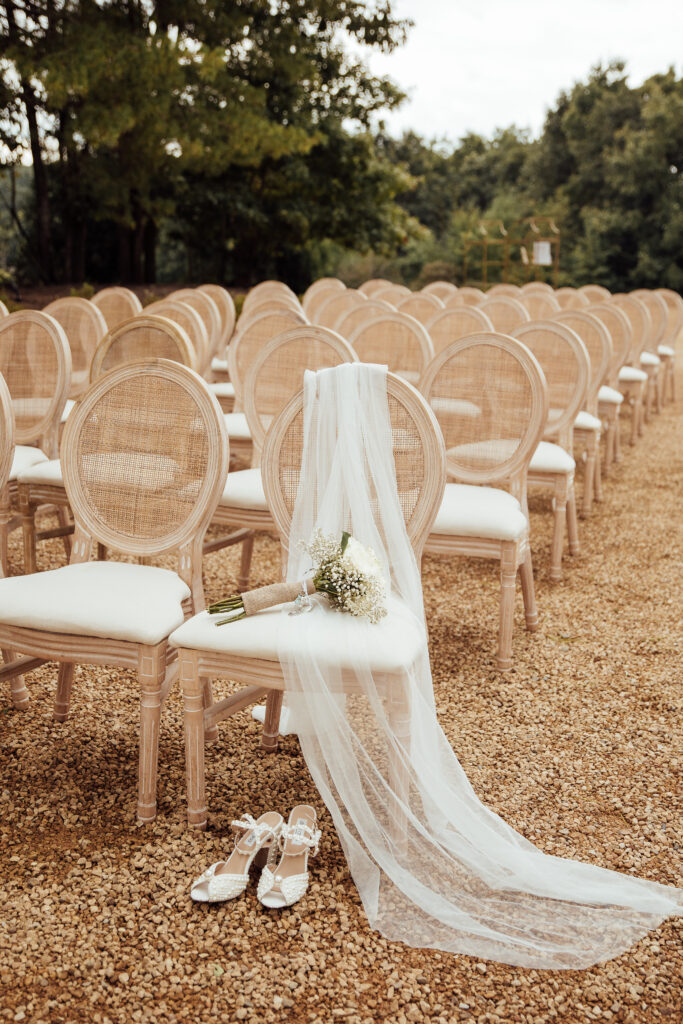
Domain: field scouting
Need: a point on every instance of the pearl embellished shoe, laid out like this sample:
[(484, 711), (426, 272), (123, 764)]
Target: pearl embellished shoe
[(286, 884), (256, 845)]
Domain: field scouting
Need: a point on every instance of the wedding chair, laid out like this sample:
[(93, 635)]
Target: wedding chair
[(247, 650), (35, 361), (588, 425), (6, 460), (511, 291), (188, 318), (84, 326), (392, 293), (456, 322), (322, 285), (667, 350), (337, 305), (465, 296), (610, 399), (136, 490), (226, 309), (142, 337), (489, 395), (540, 305), (269, 294), (565, 363), (504, 312), (649, 358), (633, 379), (595, 293), (275, 374), (571, 298), (360, 314), (116, 305), (538, 288), (372, 286), (394, 339), (442, 290), (269, 304), (422, 305), (208, 311)]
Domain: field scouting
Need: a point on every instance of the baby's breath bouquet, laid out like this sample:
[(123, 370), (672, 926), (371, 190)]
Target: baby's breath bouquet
[(345, 571)]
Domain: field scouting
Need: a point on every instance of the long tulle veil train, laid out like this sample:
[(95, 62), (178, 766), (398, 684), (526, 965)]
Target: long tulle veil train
[(455, 876)]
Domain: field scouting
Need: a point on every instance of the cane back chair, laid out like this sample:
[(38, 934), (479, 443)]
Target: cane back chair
[(134, 488), (393, 294), (540, 305), (512, 291), (465, 296), (337, 305), (595, 293), (504, 312), (319, 292), (226, 309), (667, 350), (538, 288), (375, 284), (396, 339), (423, 306), (610, 399), (457, 322), (85, 326), (633, 379), (116, 305), (442, 290), (6, 460), (571, 298), (208, 311), (188, 318), (360, 314), (650, 360)]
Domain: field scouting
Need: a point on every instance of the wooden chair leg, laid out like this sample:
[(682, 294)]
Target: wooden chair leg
[(572, 523), (18, 691), (597, 481), (210, 733), (28, 528), (526, 576), (560, 518), (617, 439), (245, 562), (672, 379), (640, 419), (270, 733), (5, 519), (151, 673), (193, 718), (659, 387), (65, 680), (647, 404), (589, 473), (65, 520), (508, 578)]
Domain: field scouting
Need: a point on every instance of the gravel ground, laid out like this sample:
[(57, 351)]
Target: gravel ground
[(579, 748)]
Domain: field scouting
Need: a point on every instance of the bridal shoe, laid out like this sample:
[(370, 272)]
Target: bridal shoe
[(256, 845), (286, 884)]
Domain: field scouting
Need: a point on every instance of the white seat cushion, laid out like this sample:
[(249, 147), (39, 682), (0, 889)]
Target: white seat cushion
[(551, 458), (584, 421), (244, 489), (649, 359), (67, 410), (43, 473), (393, 642), (630, 373), (24, 457), (455, 407), (606, 394), (470, 511), (666, 350), (115, 600), (219, 365), (223, 389), (237, 425)]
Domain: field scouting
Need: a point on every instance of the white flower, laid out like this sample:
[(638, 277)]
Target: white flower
[(362, 559)]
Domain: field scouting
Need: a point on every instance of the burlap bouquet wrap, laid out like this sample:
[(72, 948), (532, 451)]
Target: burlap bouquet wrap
[(276, 593)]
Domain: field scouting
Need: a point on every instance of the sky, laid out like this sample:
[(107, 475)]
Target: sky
[(478, 65)]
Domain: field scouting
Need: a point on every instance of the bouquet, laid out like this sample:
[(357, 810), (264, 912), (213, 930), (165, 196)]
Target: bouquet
[(346, 572)]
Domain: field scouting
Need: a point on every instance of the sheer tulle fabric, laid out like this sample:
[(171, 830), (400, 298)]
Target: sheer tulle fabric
[(433, 866)]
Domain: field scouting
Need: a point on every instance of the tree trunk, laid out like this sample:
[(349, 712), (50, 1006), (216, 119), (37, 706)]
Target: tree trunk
[(150, 244)]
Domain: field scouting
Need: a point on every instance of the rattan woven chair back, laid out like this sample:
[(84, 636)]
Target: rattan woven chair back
[(7, 432), (85, 326), (4, 311), (537, 288), (443, 290), (266, 292), (564, 360), (375, 284), (491, 400), (422, 305), (226, 309), (393, 294), (250, 339), (188, 318), (656, 307), (540, 305), (269, 304), (143, 337), (641, 324), (674, 305), (145, 459), (570, 298), (504, 312), (597, 339), (116, 305), (595, 293), (419, 459), (452, 324), (337, 305), (277, 373), (208, 311), (397, 340), (360, 314), (323, 284), (465, 296), (317, 301), (512, 291), (35, 360), (621, 336)]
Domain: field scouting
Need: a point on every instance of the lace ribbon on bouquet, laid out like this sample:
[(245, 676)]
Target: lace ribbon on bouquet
[(460, 879)]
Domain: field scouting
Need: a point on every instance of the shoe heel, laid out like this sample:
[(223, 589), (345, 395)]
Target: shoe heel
[(261, 858)]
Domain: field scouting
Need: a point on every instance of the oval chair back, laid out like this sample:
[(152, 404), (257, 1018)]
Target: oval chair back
[(540, 305), (641, 324), (596, 338), (457, 322), (538, 288), (465, 296), (267, 292), (394, 294), (375, 284), (674, 305), (208, 311), (85, 326), (571, 298), (442, 290), (116, 304), (323, 284), (226, 310), (188, 318), (337, 305), (424, 306), (360, 314), (142, 337), (251, 338), (621, 335), (512, 291), (595, 293), (656, 307), (396, 339), (504, 312)]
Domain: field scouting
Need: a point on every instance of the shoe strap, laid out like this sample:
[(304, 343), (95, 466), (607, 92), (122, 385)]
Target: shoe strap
[(301, 835), (261, 830)]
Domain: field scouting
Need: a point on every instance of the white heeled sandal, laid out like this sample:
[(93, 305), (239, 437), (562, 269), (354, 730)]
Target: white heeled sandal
[(257, 844), (286, 884)]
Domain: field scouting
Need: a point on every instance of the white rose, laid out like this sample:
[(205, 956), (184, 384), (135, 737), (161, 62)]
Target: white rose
[(362, 559)]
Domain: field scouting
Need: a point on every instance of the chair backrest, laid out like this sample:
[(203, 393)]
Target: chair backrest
[(375, 284), (277, 373), (422, 305), (392, 293), (251, 338), (145, 458), (7, 433), (188, 318), (512, 291), (4, 311), (595, 293), (419, 460), (360, 314), (620, 332), (489, 394), (565, 363), (442, 290), (465, 296), (659, 316), (85, 326), (226, 309), (640, 320), (323, 284), (266, 291), (396, 339), (317, 299), (337, 305), (570, 298), (208, 311), (457, 322), (596, 337), (540, 305), (144, 336), (116, 304), (35, 360), (269, 304), (537, 288), (674, 305), (504, 312)]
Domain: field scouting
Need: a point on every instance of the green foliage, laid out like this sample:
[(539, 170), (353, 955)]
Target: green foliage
[(85, 291)]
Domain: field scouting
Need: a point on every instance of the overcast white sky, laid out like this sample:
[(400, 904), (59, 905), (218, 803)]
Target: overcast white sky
[(476, 65)]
